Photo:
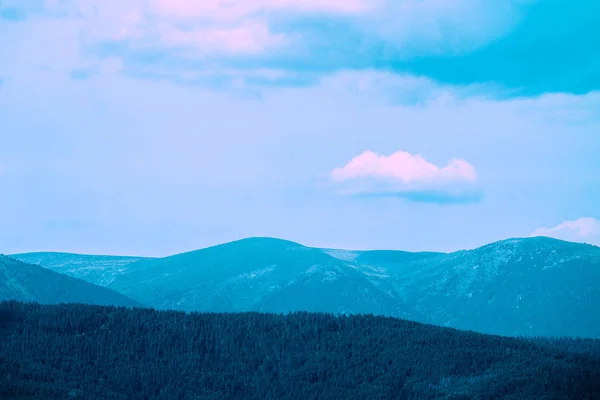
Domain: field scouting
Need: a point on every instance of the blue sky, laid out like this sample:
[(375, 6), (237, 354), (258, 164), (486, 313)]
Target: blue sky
[(159, 126)]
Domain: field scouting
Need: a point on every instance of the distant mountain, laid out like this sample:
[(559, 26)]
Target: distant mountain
[(534, 286), (257, 274), (531, 286), (99, 270), (26, 282)]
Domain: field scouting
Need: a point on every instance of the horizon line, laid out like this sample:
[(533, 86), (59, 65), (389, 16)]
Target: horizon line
[(93, 254)]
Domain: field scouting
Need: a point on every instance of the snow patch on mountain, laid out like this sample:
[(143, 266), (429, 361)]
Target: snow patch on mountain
[(344, 255)]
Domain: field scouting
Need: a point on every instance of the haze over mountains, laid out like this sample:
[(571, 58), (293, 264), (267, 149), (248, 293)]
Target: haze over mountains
[(26, 282), (99, 270), (532, 286)]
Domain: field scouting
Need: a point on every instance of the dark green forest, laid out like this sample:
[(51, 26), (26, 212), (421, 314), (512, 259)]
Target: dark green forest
[(71, 351), (572, 345)]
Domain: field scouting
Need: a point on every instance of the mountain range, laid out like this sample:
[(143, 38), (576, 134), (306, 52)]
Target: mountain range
[(518, 287)]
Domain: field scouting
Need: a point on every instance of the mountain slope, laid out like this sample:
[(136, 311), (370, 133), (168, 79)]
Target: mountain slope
[(109, 353), (533, 286), (27, 282), (260, 274), (380, 257), (99, 270)]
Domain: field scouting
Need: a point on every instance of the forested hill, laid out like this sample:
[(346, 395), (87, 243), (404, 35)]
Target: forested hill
[(93, 352)]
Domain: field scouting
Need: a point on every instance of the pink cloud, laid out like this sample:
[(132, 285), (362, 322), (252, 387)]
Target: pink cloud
[(405, 168)]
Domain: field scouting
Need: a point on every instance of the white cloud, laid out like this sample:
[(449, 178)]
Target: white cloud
[(194, 35), (238, 9), (408, 24), (405, 168), (251, 37), (584, 229)]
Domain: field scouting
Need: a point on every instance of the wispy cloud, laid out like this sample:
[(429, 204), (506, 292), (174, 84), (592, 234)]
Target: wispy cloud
[(237, 9), (249, 37), (407, 176), (106, 66), (431, 196), (202, 28), (11, 14), (585, 229)]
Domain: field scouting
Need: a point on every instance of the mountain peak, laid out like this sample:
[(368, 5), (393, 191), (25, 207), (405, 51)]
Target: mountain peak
[(253, 243), (265, 240)]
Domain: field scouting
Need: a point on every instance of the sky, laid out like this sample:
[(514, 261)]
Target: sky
[(153, 127)]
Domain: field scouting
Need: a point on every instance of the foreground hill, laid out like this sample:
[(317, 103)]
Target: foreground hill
[(27, 282), (257, 274), (90, 352), (99, 270)]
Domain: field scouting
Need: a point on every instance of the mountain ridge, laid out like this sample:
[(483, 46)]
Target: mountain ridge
[(271, 239), (497, 288), (249, 274)]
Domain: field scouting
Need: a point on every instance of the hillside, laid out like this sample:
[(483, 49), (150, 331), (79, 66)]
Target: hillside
[(257, 274), (518, 287), (99, 270), (26, 282), (89, 352), (533, 287), (380, 257)]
